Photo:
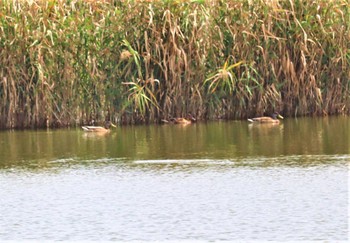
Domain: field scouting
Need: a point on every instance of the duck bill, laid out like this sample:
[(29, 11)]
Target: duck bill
[(112, 125), (279, 116)]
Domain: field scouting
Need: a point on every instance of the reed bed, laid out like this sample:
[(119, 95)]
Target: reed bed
[(65, 63)]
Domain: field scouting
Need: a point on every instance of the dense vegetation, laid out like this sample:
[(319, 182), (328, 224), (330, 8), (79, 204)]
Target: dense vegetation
[(69, 62)]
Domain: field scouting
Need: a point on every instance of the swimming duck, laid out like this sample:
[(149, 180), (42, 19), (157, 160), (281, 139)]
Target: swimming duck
[(266, 119), (106, 128), (180, 120)]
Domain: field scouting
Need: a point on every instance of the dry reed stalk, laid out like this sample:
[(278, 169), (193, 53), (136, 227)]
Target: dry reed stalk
[(67, 63)]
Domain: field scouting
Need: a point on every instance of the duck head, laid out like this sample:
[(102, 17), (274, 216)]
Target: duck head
[(276, 115)]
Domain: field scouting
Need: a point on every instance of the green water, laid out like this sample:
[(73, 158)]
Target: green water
[(208, 181), (215, 140)]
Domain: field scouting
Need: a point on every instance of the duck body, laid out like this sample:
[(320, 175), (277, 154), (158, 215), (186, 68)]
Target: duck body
[(94, 129), (267, 119), (184, 121), (180, 120), (98, 129)]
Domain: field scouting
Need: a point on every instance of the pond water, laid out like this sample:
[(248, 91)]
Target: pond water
[(214, 181)]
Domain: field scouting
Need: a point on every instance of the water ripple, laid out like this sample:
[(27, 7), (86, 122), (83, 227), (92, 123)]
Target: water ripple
[(161, 200)]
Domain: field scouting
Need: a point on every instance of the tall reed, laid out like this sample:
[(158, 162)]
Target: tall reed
[(65, 63)]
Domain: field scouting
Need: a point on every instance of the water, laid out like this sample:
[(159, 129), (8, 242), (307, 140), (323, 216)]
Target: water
[(207, 182)]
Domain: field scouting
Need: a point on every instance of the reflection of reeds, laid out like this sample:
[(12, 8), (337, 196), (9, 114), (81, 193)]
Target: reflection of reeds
[(66, 63)]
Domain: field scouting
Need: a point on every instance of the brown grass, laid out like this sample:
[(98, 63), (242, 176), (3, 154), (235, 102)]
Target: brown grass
[(66, 63)]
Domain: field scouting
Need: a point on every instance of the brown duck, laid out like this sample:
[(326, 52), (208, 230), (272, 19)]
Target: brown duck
[(267, 119), (180, 120), (99, 129)]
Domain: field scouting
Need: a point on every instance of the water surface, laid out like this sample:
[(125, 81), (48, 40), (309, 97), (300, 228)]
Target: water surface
[(210, 181)]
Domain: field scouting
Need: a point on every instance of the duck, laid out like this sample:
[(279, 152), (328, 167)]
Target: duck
[(267, 119), (99, 129), (180, 120)]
